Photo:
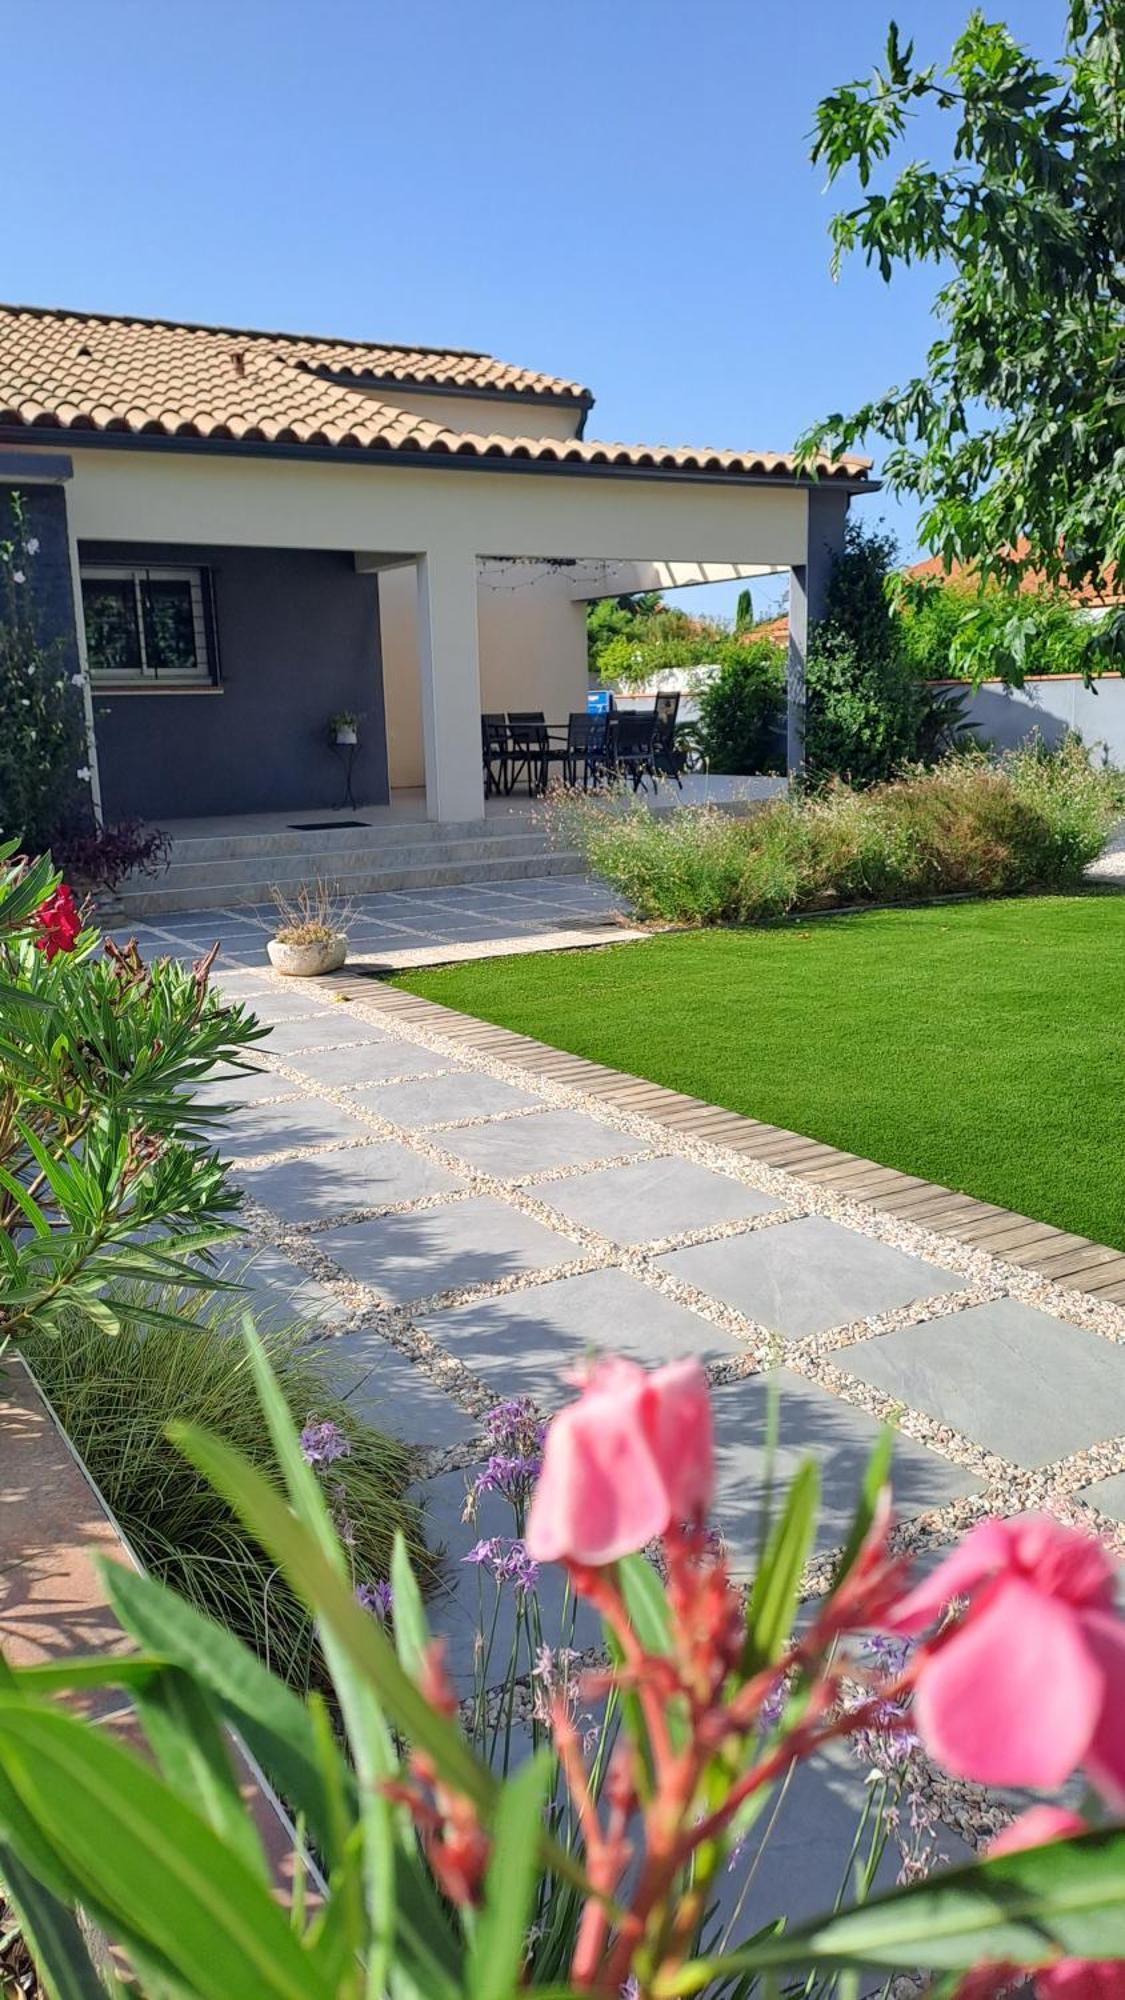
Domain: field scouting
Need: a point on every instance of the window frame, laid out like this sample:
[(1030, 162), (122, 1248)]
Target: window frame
[(204, 673)]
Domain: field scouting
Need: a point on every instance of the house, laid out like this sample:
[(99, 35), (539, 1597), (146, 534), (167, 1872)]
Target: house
[(245, 533)]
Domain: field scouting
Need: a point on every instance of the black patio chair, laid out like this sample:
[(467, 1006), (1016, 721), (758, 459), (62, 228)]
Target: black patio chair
[(635, 749), (584, 755), (494, 751), (667, 755), (528, 746)]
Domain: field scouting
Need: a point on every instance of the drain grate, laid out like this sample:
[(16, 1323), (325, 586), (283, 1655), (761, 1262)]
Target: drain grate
[(323, 825)]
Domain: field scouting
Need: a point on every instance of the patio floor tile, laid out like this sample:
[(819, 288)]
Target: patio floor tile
[(472, 1242), (243, 1086), (326, 1029), (804, 1277), (298, 1121), (384, 1388), (376, 1176), (533, 1145), (653, 1198), (811, 1422), (1108, 1495), (1015, 1380), (435, 1100), (279, 1291), (366, 1063), (522, 1344)]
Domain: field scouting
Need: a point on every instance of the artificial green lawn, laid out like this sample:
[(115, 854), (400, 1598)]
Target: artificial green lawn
[(980, 1045)]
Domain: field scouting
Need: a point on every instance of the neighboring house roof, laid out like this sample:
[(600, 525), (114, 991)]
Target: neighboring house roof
[(85, 373), (1032, 580)]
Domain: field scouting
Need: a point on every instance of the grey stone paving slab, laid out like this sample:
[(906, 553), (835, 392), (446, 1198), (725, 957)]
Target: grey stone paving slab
[(794, 1864), (465, 1599), (386, 1389), (1017, 1381), (522, 1344), (436, 1100), (811, 1423), (329, 1027), (279, 1291), (298, 1121), (475, 1242), (376, 1176), (274, 1008), (1108, 1495), (533, 1145), (242, 1087), (367, 1063), (653, 1198), (804, 1277)]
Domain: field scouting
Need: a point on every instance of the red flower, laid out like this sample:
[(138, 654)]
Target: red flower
[(58, 922)]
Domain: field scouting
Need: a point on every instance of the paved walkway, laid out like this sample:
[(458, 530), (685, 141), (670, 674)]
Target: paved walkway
[(401, 928), (462, 1230)]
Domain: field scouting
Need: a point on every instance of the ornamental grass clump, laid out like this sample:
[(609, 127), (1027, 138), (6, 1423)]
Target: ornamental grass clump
[(1033, 819), (116, 1399)]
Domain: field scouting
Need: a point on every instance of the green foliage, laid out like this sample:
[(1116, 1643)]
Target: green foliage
[(742, 709), (42, 746), (183, 1361), (954, 630), (668, 643), (161, 1852), (744, 610), (106, 1176), (615, 617), (865, 709), (1013, 436), (967, 827)]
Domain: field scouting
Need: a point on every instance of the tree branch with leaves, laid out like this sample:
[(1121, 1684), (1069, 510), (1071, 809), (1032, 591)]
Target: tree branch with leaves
[(1013, 436)]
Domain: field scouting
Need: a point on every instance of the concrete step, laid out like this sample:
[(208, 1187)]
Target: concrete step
[(376, 832), (156, 899), (343, 865)]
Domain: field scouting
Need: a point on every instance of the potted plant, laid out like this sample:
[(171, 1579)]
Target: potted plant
[(344, 727), (310, 936)]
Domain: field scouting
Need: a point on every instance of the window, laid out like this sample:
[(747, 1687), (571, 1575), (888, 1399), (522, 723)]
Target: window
[(147, 625)]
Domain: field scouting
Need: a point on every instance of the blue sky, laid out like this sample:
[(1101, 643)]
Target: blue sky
[(610, 190)]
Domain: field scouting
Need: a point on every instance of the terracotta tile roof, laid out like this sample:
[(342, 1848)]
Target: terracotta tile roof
[(82, 373), (1032, 580)]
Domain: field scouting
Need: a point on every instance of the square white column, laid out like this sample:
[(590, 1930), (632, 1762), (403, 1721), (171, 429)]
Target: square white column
[(450, 675)]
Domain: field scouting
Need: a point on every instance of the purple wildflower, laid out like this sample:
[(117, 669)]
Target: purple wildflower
[(323, 1443), (507, 1561), (513, 1426), (509, 1475), (375, 1597)]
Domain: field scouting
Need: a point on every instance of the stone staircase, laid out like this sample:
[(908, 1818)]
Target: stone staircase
[(223, 870)]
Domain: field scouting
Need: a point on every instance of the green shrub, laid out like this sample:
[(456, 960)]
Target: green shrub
[(116, 1398), (948, 629), (864, 707), (1033, 820), (742, 710)]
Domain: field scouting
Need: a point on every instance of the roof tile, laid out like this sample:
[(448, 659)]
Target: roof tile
[(83, 372)]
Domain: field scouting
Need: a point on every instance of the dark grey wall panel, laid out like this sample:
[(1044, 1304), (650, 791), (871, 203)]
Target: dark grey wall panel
[(298, 639)]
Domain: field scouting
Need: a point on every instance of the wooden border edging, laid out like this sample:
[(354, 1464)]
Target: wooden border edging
[(1073, 1262)]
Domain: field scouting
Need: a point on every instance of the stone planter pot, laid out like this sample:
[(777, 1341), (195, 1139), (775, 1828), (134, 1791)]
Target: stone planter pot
[(308, 961), (347, 736)]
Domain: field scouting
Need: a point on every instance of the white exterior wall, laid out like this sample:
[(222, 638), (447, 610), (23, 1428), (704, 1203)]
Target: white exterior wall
[(532, 642), (450, 515)]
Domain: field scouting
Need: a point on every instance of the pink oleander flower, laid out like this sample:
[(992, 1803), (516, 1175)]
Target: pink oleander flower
[(1030, 1682), (1068, 1978), (629, 1459)]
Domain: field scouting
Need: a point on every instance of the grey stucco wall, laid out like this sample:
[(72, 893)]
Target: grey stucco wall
[(298, 639), (1052, 704)]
